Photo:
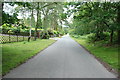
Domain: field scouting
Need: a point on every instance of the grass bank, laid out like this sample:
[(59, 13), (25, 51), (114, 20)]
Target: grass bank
[(108, 54), (13, 54)]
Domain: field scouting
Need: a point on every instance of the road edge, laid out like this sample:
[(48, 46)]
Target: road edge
[(106, 65), (29, 58)]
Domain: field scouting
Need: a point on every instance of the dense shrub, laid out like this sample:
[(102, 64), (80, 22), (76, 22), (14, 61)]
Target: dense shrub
[(75, 36), (61, 33), (56, 33), (50, 32), (44, 34), (9, 29), (93, 37), (72, 31), (15, 30), (5, 28)]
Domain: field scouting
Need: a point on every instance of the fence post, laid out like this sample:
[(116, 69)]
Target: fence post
[(23, 36), (17, 36)]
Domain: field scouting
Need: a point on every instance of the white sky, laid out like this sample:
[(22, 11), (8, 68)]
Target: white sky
[(9, 9)]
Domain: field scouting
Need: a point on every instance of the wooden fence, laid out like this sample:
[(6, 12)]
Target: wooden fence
[(7, 38)]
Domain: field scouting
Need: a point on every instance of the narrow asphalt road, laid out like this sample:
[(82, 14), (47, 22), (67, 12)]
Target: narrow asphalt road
[(64, 59)]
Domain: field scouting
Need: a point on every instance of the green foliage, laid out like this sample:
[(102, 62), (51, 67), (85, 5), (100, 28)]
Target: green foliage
[(63, 16), (93, 37), (56, 33), (5, 28), (75, 36), (6, 18), (72, 31), (9, 29), (61, 33), (44, 34), (108, 54), (79, 36), (97, 18), (53, 15)]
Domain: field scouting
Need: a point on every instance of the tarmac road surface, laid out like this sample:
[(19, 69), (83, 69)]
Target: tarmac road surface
[(63, 59)]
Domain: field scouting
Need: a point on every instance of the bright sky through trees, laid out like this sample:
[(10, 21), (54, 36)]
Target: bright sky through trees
[(11, 9)]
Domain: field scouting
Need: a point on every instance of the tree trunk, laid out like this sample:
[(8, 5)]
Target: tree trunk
[(118, 21), (30, 27), (111, 36), (35, 34), (29, 35), (1, 10), (97, 33), (118, 37)]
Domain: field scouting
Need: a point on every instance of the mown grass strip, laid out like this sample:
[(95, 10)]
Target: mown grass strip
[(13, 54)]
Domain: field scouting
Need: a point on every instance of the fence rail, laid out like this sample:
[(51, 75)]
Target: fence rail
[(7, 38)]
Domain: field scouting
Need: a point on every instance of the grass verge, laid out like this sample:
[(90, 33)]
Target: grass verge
[(13, 54), (108, 54)]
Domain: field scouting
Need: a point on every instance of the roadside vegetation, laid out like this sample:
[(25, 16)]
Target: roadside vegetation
[(28, 25), (14, 54), (38, 22), (104, 52), (96, 26)]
